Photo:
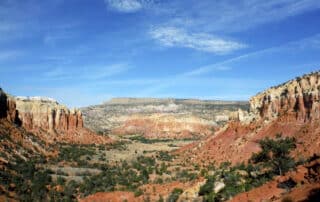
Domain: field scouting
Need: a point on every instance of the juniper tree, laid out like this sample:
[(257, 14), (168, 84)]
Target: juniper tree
[(275, 154)]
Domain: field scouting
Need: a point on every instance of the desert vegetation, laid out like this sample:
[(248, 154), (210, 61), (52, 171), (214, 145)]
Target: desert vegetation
[(273, 159), (82, 171)]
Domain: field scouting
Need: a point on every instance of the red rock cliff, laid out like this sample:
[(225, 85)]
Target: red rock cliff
[(291, 109), (47, 114), (54, 122), (298, 99)]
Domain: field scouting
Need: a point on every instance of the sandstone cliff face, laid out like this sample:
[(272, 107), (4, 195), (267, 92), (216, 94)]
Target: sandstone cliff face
[(298, 99), (47, 114), (291, 109), (166, 126), (14, 137), (53, 122), (160, 118)]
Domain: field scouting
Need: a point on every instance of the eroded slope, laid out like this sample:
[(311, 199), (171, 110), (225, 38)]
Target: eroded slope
[(160, 118)]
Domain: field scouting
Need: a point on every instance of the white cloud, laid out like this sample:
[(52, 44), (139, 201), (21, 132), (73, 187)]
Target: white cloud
[(230, 15), (106, 71), (208, 68), (87, 73), (172, 36), (312, 42), (127, 6), (195, 76)]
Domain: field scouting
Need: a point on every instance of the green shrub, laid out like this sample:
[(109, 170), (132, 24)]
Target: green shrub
[(164, 156), (275, 154), (273, 159), (138, 193), (207, 188), (174, 196)]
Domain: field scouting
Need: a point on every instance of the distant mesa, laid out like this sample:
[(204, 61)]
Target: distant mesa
[(161, 118), (131, 100)]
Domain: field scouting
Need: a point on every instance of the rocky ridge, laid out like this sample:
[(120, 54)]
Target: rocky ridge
[(16, 143), (291, 109), (166, 126), (160, 118), (298, 99), (48, 119), (55, 122), (47, 114)]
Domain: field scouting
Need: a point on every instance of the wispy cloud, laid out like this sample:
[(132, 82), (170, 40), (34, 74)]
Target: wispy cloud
[(127, 6), (194, 76), (205, 69), (175, 37), (106, 71), (231, 16), (87, 73), (312, 42)]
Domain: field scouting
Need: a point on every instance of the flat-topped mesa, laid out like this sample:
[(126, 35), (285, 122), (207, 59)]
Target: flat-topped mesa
[(47, 114), (297, 99), (136, 101)]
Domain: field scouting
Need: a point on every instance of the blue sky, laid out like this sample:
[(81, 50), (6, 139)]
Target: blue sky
[(83, 52)]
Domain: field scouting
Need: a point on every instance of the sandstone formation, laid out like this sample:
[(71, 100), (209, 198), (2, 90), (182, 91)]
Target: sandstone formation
[(160, 118), (166, 126), (16, 144), (48, 119), (54, 122), (7, 107), (298, 99), (47, 114), (15, 141), (291, 109)]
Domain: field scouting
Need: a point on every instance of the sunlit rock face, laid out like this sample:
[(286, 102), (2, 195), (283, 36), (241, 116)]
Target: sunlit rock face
[(161, 118), (291, 109), (53, 122), (166, 126), (47, 114), (297, 99)]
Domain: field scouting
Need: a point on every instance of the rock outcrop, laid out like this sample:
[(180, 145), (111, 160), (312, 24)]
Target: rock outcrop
[(291, 109), (47, 119), (47, 114), (54, 122), (13, 136), (8, 108), (160, 118), (298, 99), (166, 126)]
